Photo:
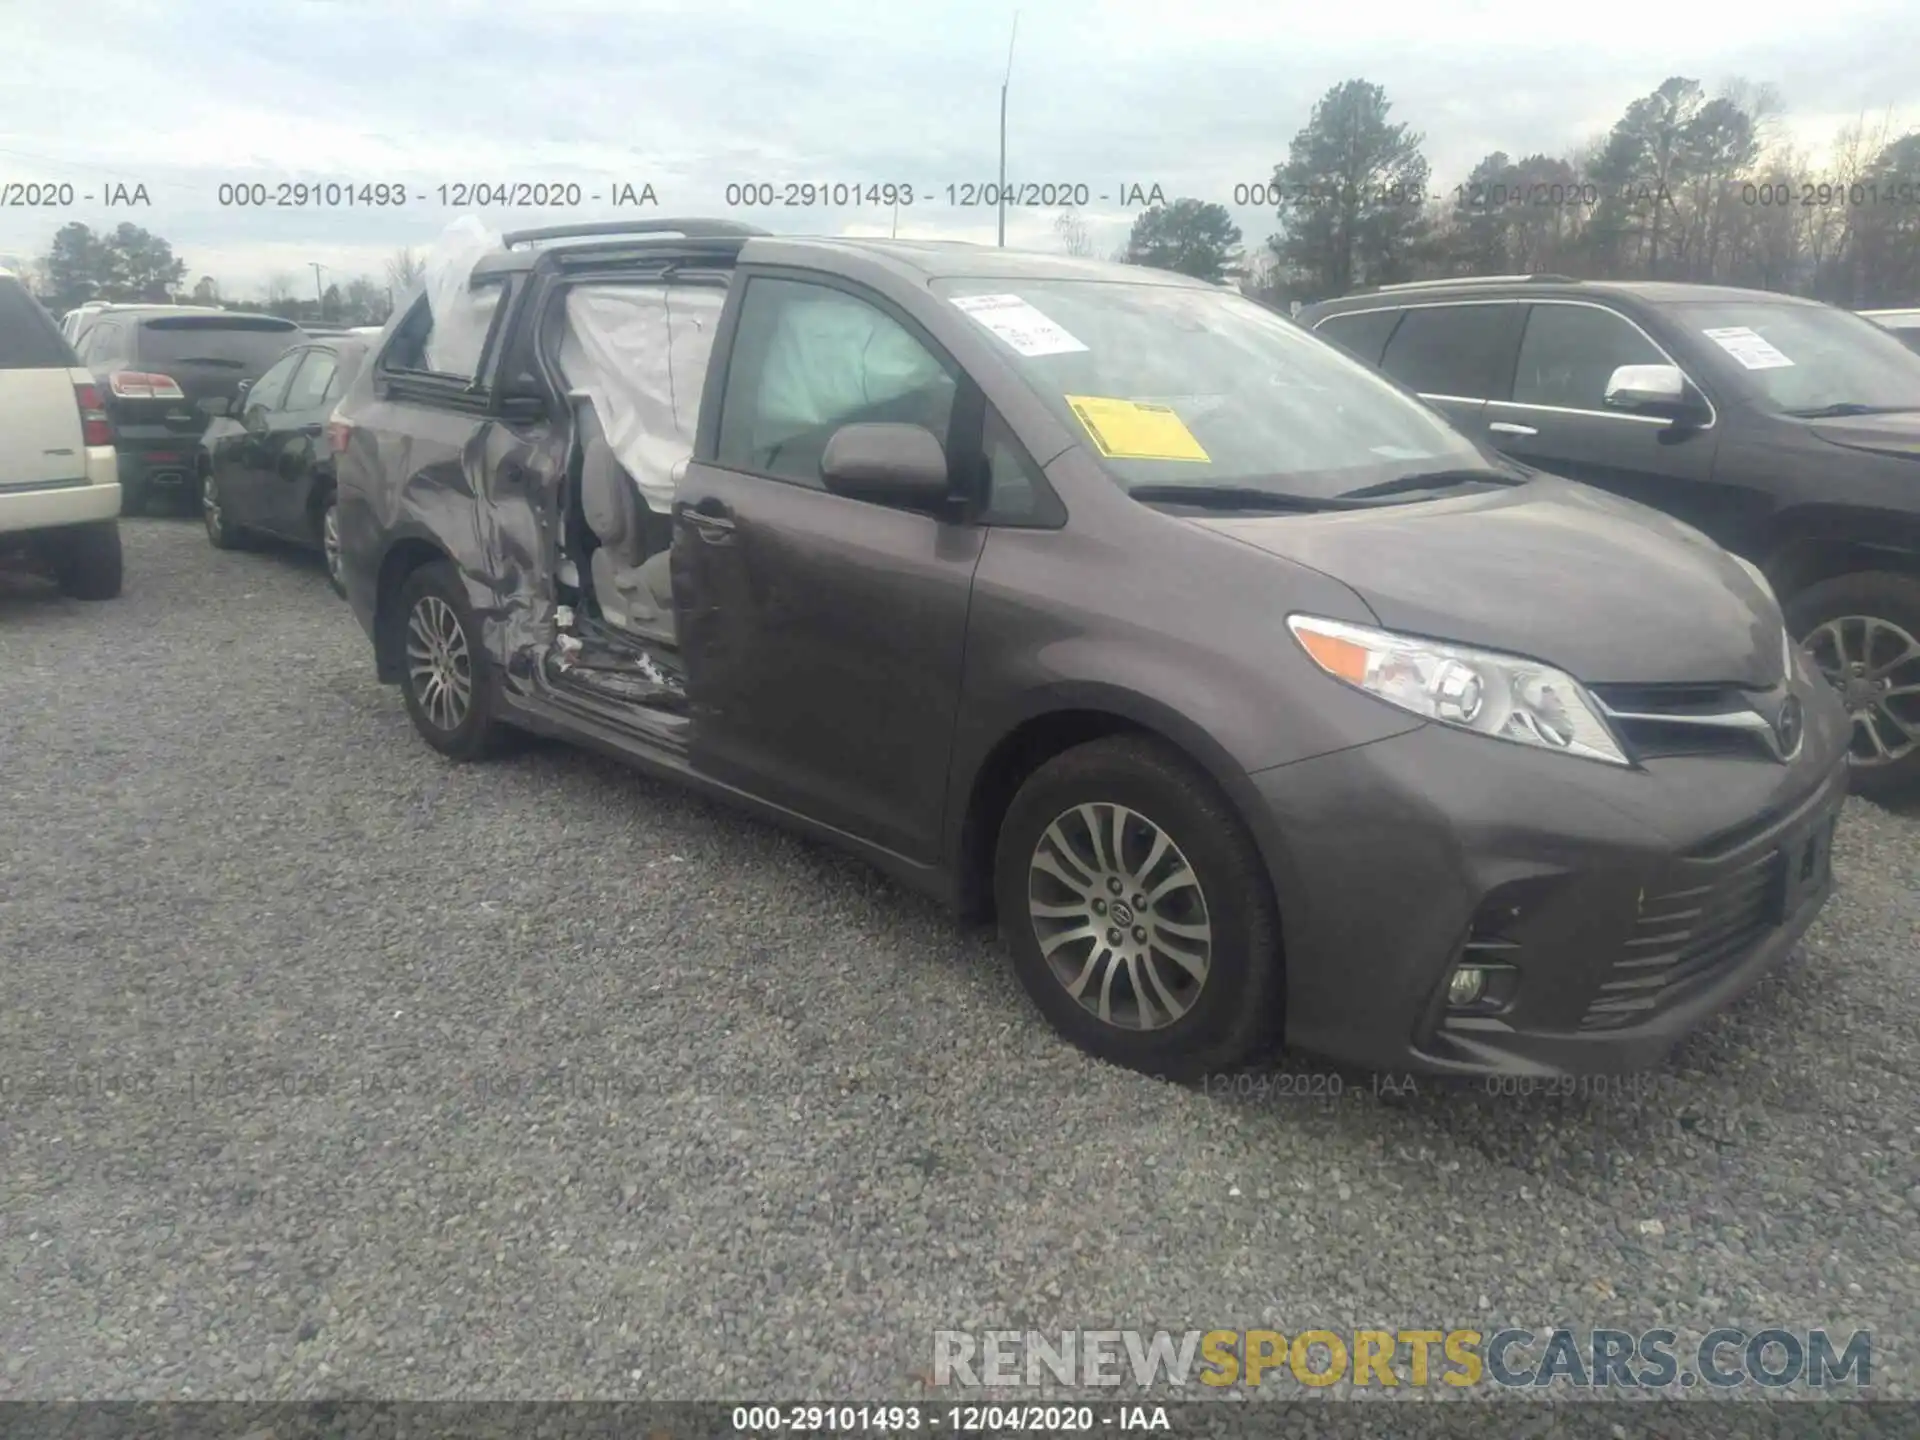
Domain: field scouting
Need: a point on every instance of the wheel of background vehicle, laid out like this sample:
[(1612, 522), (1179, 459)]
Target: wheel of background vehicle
[(214, 512), (1137, 911), (330, 543), (1863, 631), (90, 565), (445, 678)]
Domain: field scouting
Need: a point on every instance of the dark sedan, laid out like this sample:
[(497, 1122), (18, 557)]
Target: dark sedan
[(266, 469)]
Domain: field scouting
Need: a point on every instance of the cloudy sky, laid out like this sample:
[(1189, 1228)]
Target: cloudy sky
[(1196, 98)]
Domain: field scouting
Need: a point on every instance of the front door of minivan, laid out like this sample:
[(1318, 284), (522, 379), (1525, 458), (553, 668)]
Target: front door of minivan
[(1556, 417), (822, 637)]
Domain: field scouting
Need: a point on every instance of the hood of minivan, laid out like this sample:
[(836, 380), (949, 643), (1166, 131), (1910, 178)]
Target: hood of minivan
[(1878, 434), (1610, 591)]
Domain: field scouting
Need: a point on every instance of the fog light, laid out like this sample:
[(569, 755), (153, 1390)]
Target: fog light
[(1468, 984)]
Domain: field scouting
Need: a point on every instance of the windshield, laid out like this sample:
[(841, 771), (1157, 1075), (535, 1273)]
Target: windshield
[(1176, 386), (243, 346), (1804, 358)]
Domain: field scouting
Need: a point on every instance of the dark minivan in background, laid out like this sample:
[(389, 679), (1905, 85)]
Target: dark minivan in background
[(165, 371), (1785, 429), (1251, 696)]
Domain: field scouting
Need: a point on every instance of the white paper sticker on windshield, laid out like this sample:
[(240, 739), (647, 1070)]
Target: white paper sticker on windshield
[(1748, 348), (1015, 321)]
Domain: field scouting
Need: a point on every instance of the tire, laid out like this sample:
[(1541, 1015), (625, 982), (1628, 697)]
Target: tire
[(1829, 617), (217, 516), (1232, 1015), (458, 725), (327, 527), (90, 566)]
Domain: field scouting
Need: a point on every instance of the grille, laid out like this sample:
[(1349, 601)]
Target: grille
[(1663, 721), (1681, 935)]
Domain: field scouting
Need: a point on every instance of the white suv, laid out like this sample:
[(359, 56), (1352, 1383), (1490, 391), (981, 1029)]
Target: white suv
[(59, 479)]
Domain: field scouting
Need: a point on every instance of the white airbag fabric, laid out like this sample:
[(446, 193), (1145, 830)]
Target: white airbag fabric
[(461, 314), (639, 352)]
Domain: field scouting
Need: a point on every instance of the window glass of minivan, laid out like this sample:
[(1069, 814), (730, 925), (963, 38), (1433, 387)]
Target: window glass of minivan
[(1803, 359), (1175, 386), (29, 340), (241, 345)]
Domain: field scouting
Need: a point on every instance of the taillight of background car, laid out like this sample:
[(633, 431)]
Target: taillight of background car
[(94, 425), (137, 385), (339, 433)]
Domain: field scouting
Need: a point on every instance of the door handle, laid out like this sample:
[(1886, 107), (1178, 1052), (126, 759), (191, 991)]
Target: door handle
[(710, 520), (312, 428), (1507, 427)]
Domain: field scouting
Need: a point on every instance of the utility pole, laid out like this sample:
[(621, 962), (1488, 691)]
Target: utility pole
[(319, 295), (1008, 80)]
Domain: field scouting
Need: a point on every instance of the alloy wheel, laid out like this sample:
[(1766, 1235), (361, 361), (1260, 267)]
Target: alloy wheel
[(439, 663), (1875, 665), (1120, 916), (330, 541)]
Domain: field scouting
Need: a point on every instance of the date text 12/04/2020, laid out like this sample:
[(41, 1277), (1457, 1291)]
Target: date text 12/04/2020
[(965, 195)]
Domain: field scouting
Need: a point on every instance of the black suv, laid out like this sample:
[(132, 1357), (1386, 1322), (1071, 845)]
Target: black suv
[(165, 371), (1787, 430), (1247, 691)]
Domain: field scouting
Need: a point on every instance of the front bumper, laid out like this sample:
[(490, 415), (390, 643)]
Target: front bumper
[(1618, 908)]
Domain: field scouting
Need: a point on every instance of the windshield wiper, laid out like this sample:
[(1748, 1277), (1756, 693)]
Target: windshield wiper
[(1433, 480), (1849, 407), (1228, 497)]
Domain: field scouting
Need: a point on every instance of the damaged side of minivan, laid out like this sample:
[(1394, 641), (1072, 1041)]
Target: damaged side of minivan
[(602, 352)]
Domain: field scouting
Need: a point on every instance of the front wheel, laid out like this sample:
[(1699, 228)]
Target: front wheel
[(446, 680), (330, 543), (1863, 632), (222, 533), (1137, 911)]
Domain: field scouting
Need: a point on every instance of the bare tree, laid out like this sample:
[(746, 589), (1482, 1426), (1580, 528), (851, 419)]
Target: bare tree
[(404, 271), (1071, 231), (279, 289)]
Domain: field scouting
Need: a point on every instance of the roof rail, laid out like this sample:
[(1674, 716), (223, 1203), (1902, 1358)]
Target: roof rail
[(1472, 280), (689, 229)]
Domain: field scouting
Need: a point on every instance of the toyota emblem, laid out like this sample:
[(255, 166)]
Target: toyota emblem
[(1788, 725)]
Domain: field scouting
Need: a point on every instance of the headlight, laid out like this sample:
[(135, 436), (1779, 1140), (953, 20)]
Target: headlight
[(1490, 694)]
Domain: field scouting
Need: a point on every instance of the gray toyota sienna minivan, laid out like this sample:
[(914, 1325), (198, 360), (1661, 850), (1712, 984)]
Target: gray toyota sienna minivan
[(1255, 700)]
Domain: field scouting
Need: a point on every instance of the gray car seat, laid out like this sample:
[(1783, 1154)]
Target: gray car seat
[(629, 569)]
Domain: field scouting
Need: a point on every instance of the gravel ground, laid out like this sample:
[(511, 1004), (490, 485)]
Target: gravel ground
[(332, 1069)]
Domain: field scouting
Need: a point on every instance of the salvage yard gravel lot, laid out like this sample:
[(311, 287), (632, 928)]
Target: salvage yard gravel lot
[(329, 1068)]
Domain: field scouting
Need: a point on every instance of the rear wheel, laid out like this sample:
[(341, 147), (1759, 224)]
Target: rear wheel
[(1139, 917), (445, 678), (1863, 632), (89, 565)]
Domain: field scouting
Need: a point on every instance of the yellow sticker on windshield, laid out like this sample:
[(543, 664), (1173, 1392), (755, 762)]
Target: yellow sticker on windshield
[(1132, 430)]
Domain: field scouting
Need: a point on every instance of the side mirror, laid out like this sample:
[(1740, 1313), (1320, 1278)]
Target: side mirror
[(891, 464), (1652, 390)]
